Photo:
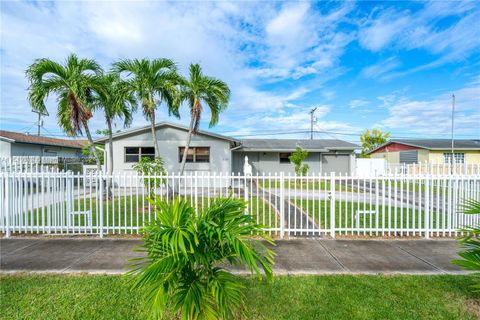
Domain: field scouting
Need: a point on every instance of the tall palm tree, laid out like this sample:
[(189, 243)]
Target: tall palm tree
[(200, 89), (153, 82), (117, 102), (74, 83)]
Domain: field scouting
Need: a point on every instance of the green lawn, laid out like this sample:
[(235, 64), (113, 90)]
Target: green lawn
[(122, 212), (314, 297), (345, 212)]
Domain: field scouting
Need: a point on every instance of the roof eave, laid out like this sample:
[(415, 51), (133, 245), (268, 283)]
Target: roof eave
[(49, 144), (7, 139), (161, 124)]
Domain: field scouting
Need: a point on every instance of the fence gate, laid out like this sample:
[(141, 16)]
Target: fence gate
[(48, 202)]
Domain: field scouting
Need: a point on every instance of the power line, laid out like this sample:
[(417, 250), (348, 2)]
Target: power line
[(283, 132)]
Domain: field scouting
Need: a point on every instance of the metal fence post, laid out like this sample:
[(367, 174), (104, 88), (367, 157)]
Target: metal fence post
[(282, 205), (332, 205), (100, 177), (427, 206), (8, 208), (245, 193), (196, 192)]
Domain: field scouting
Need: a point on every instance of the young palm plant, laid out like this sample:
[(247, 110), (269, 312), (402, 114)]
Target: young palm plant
[(153, 82), (200, 89), (470, 242), (183, 271), (74, 83)]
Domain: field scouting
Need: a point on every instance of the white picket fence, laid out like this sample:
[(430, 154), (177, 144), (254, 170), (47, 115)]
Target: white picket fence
[(423, 168), (287, 206)]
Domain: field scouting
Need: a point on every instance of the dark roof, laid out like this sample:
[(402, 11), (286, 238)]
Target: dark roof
[(436, 144), (18, 137), (164, 124), (322, 145)]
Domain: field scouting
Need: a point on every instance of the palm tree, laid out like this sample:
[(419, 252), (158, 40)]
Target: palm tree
[(153, 82), (116, 101), (184, 266), (202, 89), (74, 83)]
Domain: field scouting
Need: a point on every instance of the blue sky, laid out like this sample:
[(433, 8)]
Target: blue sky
[(388, 65)]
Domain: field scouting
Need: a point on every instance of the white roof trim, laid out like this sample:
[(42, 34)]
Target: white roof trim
[(6, 139), (165, 124)]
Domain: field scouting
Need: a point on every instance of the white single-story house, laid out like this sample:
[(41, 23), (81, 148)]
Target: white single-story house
[(16, 144), (211, 152)]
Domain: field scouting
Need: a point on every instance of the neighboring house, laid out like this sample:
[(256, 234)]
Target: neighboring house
[(271, 155), (429, 150), (15, 144), (210, 152)]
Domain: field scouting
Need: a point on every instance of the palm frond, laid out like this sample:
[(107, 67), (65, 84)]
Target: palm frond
[(470, 241), (470, 206), (183, 254)]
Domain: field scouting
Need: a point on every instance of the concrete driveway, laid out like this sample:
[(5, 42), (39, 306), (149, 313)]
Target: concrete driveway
[(298, 256)]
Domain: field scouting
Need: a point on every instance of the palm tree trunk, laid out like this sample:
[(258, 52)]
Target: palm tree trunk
[(189, 138), (110, 147), (93, 150), (154, 132), (110, 158)]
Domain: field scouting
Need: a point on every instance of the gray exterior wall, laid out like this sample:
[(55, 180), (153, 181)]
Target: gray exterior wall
[(26, 149), (5, 149), (265, 162), (170, 139)]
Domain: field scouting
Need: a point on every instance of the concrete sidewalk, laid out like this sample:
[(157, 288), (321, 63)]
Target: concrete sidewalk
[(297, 256)]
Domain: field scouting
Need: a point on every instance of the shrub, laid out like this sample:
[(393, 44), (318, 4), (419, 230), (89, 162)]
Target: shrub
[(149, 167), (470, 242), (296, 158), (184, 268)]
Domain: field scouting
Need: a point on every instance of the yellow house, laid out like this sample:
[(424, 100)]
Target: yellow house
[(428, 150)]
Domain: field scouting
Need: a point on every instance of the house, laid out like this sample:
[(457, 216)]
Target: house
[(15, 144), (211, 152), (272, 155), (428, 150)]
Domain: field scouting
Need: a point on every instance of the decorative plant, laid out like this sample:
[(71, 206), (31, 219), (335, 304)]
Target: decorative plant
[(470, 242), (184, 268), (148, 167), (296, 158)]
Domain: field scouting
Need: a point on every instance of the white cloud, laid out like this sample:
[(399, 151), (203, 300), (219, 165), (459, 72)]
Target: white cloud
[(357, 103), (109, 32), (380, 32), (379, 70), (434, 116), (300, 41), (394, 30), (289, 33), (293, 125)]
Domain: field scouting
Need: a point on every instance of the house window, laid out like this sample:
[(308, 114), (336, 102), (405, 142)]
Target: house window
[(458, 157), (133, 154), (284, 157), (195, 154)]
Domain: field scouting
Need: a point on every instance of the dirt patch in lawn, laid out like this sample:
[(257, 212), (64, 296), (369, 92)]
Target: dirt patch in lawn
[(473, 306)]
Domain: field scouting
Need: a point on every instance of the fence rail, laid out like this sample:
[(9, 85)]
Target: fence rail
[(287, 206)]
